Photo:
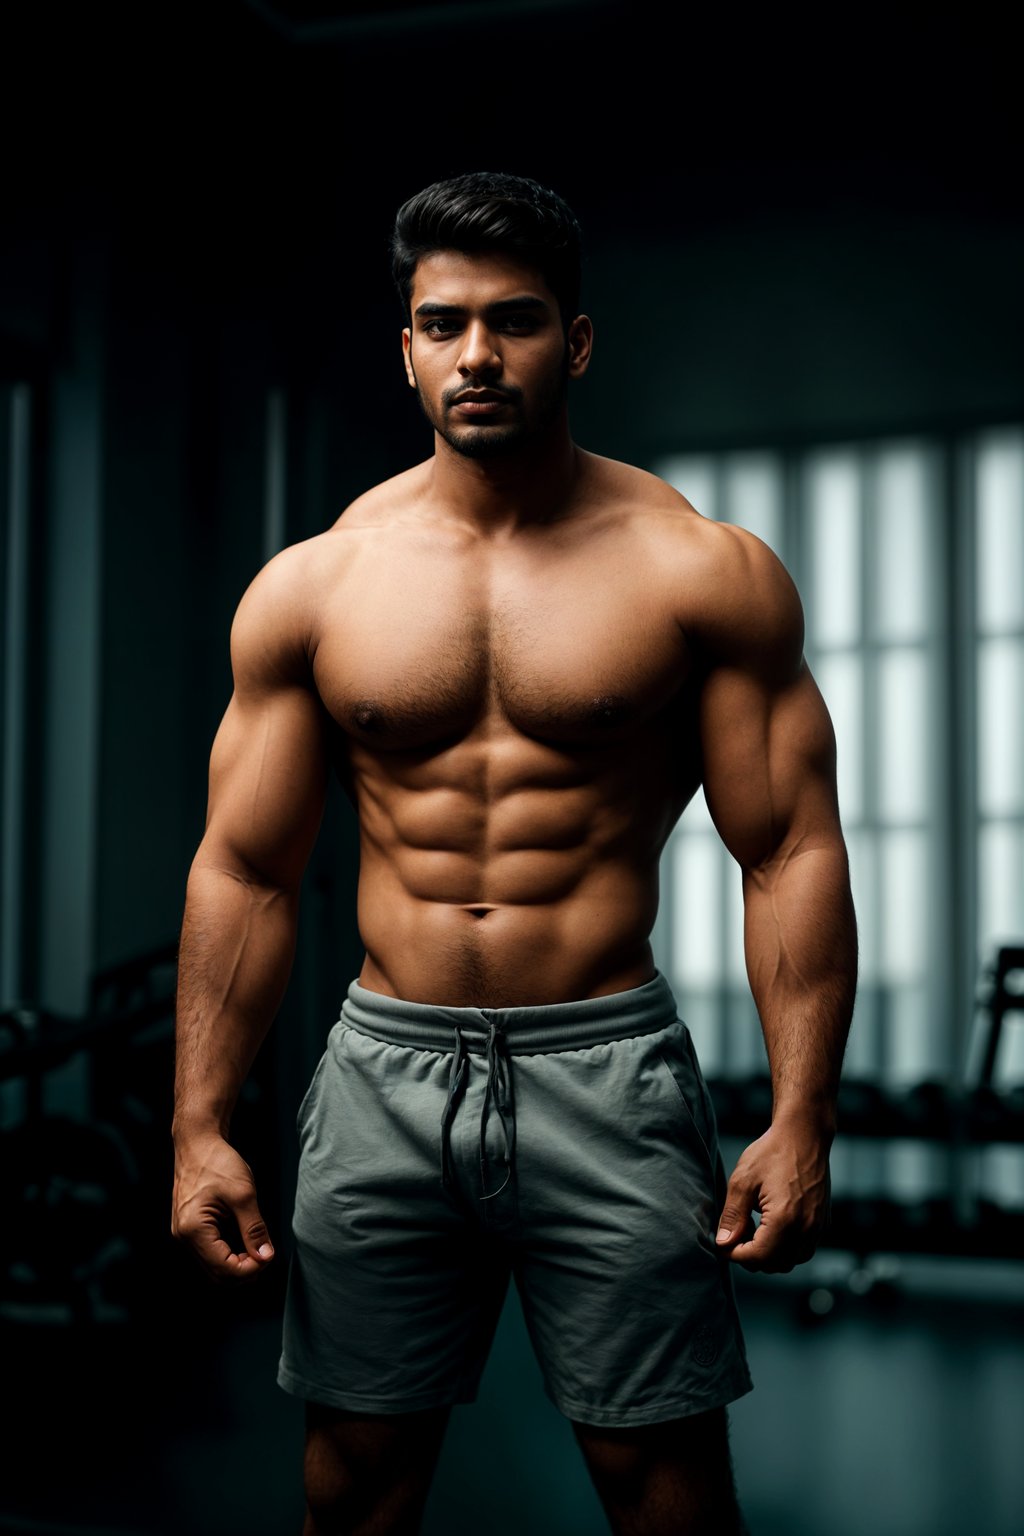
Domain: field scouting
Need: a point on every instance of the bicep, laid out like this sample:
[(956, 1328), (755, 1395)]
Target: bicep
[(269, 764), (268, 784), (769, 761)]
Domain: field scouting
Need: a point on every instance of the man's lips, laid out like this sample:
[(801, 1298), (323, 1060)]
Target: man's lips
[(482, 402)]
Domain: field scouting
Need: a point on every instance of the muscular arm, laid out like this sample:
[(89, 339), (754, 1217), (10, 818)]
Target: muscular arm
[(769, 780), (268, 778)]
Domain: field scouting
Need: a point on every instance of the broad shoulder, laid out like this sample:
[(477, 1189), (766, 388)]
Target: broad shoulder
[(742, 606), (732, 595), (277, 621), (291, 583), (271, 626)]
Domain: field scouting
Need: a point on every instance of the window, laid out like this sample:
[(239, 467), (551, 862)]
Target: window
[(909, 557), (998, 487)]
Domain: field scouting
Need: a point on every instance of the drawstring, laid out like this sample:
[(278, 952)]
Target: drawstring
[(499, 1087)]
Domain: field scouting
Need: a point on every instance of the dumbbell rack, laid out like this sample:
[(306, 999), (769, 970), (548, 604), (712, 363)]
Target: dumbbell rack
[(963, 1120), (69, 1186)]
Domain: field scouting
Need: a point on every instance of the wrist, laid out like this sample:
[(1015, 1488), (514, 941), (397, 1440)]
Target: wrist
[(198, 1125), (813, 1115)]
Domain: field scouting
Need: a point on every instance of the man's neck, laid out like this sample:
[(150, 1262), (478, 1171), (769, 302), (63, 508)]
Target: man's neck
[(501, 495)]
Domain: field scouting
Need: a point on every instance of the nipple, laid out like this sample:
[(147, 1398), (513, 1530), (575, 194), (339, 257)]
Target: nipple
[(367, 716)]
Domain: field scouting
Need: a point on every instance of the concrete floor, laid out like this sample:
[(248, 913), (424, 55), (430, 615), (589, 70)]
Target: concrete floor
[(897, 1413)]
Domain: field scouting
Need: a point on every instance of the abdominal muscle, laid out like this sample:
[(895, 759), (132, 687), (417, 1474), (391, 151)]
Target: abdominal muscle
[(476, 955), (475, 892)]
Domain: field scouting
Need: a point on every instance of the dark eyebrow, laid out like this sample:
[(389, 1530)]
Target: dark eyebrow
[(499, 307)]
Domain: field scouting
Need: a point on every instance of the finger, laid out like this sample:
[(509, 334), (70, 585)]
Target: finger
[(736, 1214), (773, 1249), (214, 1252), (242, 1266), (253, 1230), (223, 1265), (797, 1253), (747, 1253)]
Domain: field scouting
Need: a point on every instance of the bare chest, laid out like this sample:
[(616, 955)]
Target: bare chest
[(427, 651)]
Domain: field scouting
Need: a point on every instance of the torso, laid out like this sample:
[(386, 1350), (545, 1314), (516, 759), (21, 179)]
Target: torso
[(517, 728)]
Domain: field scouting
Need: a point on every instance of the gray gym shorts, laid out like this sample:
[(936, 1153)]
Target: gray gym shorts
[(572, 1146)]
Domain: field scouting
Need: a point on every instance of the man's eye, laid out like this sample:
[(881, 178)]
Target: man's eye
[(440, 327), (519, 323)]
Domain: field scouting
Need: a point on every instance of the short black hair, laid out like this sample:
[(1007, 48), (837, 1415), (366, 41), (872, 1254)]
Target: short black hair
[(491, 211)]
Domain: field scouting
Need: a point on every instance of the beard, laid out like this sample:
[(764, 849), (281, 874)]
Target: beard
[(504, 439), (482, 442)]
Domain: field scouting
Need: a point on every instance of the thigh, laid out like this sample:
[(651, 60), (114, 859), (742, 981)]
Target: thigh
[(674, 1478), (393, 1297), (369, 1470), (628, 1301)]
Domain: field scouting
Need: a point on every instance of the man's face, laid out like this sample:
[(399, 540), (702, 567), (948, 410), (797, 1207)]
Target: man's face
[(487, 353)]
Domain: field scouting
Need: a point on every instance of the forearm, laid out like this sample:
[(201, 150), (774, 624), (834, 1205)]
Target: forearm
[(235, 955), (801, 951)]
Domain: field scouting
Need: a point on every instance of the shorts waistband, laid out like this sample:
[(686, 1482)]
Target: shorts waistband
[(526, 1031), (499, 1034)]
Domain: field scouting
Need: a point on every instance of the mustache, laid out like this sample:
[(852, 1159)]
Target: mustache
[(451, 397)]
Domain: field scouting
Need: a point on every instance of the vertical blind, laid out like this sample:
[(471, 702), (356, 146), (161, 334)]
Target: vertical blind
[(909, 557)]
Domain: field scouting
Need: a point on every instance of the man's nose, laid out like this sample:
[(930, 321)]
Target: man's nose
[(479, 353)]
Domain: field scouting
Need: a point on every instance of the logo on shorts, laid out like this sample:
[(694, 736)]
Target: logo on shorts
[(704, 1345)]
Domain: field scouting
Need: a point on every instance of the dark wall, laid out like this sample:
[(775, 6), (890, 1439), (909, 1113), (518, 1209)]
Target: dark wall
[(811, 330)]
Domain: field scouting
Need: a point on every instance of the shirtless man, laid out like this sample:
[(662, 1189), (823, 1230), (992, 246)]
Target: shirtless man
[(522, 660)]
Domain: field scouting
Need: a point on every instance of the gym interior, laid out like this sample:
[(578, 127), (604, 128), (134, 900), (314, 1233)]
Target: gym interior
[(803, 257)]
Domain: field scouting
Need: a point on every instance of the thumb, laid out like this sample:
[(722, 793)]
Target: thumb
[(732, 1223), (253, 1231)]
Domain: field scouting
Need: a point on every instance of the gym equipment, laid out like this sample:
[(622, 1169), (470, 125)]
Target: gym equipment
[(959, 1118), (74, 1227)]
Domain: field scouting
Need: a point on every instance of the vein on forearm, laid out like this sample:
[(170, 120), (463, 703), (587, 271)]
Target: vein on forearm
[(234, 956), (801, 950)]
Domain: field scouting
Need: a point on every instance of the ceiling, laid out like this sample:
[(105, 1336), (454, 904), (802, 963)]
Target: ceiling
[(649, 119), (322, 21)]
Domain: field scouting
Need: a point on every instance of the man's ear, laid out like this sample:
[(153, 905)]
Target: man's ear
[(581, 343), (407, 354)]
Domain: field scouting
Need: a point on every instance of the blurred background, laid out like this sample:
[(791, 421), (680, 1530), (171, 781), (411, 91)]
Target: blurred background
[(804, 262)]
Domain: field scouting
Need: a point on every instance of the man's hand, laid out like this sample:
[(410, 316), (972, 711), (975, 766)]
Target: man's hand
[(213, 1193), (783, 1175)]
